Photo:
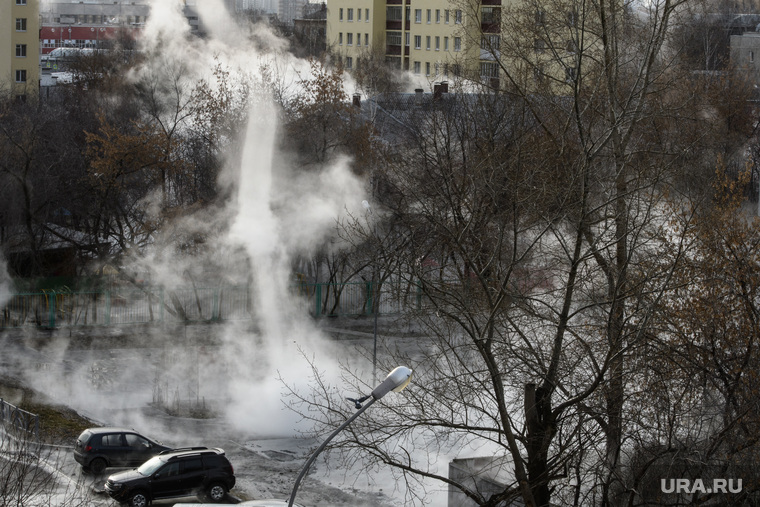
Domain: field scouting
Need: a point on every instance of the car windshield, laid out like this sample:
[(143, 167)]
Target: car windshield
[(150, 466)]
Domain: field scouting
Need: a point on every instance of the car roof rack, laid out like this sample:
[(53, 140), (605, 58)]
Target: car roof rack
[(183, 449)]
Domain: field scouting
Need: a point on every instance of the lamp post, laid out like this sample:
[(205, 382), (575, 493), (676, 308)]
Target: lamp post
[(375, 306), (396, 381)]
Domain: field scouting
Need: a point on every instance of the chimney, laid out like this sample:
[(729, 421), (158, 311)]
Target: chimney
[(357, 100)]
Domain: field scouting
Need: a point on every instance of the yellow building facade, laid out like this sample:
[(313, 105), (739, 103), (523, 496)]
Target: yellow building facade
[(20, 48), (530, 45), (428, 38)]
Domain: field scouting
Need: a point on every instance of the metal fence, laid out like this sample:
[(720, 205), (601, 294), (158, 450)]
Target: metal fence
[(53, 309), (20, 420)]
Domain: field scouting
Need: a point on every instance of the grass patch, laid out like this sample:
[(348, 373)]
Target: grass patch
[(58, 424)]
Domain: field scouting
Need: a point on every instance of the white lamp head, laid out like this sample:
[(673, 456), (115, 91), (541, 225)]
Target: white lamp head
[(396, 381)]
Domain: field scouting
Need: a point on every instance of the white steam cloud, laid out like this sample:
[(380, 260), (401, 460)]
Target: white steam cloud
[(277, 211)]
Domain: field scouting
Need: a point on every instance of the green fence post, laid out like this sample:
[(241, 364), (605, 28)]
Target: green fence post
[(317, 299), (107, 318), (51, 307)]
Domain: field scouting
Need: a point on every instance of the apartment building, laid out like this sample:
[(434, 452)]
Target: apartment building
[(438, 40), (101, 17), (19, 47), (429, 38)]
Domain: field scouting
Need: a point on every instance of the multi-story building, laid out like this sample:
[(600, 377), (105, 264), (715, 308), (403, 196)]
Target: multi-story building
[(101, 17), (19, 47), (537, 42), (428, 38), (288, 10)]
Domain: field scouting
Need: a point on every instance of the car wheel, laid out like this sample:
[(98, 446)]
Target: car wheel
[(97, 466), (138, 499), (215, 492)]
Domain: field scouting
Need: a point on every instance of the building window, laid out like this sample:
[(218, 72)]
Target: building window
[(349, 39), (751, 56), (438, 15), (349, 62), (437, 43), (416, 67), (540, 17), (407, 36), (428, 16), (350, 16), (21, 24), (457, 44), (340, 14), (366, 15), (538, 45), (393, 13), (340, 39), (490, 15), (358, 16), (20, 2), (427, 68), (538, 73), (458, 17), (445, 43), (572, 18), (489, 42), (446, 16), (366, 39), (489, 69), (427, 42), (394, 38), (418, 42), (21, 50), (418, 15), (21, 76)]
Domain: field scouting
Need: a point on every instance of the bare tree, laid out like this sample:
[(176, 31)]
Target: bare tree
[(535, 225)]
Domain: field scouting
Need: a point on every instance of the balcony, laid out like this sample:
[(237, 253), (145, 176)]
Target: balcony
[(490, 27), (393, 49), (490, 2), (392, 25)]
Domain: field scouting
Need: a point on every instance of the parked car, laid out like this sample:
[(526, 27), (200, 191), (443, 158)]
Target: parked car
[(98, 448), (200, 471)]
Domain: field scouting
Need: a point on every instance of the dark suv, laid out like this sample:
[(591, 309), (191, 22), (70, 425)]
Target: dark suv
[(98, 448), (199, 471)]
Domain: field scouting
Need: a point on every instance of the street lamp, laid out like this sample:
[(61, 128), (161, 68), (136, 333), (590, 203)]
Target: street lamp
[(396, 381), (375, 305)]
